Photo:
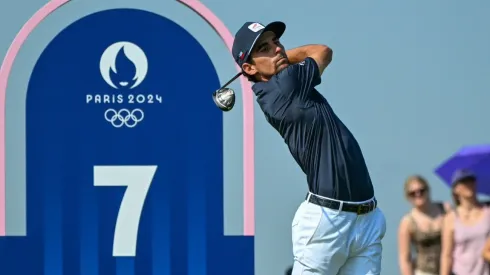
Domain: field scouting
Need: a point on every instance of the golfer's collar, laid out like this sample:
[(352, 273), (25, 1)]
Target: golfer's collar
[(256, 87)]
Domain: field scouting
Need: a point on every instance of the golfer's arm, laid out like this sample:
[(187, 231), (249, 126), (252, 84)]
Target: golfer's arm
[(320, 53), (447, 244)]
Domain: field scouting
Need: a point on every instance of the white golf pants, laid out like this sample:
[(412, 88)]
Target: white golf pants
[(333, 242)]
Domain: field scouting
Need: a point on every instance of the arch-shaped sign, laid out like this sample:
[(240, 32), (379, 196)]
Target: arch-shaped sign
[(124, 155)]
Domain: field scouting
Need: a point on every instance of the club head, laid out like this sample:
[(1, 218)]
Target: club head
[(224, 99)]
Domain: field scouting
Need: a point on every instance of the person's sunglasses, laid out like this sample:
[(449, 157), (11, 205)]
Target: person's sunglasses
[(417, 193)]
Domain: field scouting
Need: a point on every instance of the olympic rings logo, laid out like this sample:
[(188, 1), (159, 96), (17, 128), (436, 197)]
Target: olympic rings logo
[(124, 117)]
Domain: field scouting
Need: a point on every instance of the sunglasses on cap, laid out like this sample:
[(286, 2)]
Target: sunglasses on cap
[(417, 193)]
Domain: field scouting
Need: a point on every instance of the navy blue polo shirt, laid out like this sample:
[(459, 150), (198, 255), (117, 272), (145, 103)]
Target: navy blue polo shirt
[(321, 144)]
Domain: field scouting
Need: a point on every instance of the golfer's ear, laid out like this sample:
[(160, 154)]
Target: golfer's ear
[(249, 69)]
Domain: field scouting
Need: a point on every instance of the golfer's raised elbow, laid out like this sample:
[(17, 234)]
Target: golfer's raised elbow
[(323, 56), (327, 52)]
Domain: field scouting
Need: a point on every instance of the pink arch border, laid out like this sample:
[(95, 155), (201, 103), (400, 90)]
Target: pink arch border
[(5, 70), (248, 113), (248, 119)]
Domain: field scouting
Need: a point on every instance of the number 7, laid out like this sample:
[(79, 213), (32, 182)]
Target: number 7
[(138, 180)]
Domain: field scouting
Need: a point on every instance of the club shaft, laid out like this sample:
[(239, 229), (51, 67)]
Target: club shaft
[(231, 80)]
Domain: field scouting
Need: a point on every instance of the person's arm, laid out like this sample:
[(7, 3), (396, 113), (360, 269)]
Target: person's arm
[(404, 255), (447, 244), (486, 251), (320, 53)]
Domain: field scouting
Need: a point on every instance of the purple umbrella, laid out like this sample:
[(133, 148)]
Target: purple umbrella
[(475, 158)]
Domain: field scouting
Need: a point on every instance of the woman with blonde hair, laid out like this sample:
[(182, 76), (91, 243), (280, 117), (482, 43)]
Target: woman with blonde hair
[(466, 229), (420, 229)]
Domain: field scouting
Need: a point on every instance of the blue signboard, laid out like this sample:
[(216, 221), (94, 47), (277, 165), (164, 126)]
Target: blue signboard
[(124, 155)]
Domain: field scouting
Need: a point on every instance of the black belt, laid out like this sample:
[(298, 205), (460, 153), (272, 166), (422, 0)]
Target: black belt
[(360, 209)]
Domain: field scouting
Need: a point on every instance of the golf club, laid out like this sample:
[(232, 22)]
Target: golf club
[(224, 97)]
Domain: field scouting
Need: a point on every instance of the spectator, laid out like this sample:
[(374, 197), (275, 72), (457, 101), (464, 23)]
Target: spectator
[(421, 229), (465, 229)]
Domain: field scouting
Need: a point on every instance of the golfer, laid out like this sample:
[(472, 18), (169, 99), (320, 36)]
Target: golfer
[(338, 228)]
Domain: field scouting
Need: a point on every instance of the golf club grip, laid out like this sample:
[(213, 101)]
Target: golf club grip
[(231, 80)]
